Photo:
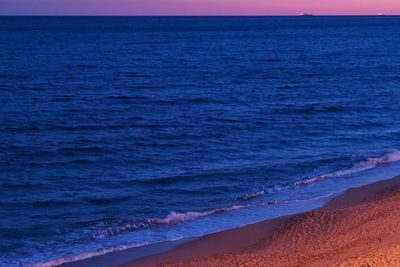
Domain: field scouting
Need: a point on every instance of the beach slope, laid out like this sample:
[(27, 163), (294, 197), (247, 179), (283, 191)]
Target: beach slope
[(358, 228)]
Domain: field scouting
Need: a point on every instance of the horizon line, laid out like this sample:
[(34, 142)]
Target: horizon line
[(196, 15)]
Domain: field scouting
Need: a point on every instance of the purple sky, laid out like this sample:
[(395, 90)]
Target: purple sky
[(197, 7)]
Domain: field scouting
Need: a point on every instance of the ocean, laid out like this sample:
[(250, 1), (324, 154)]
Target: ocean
[(116, 132)]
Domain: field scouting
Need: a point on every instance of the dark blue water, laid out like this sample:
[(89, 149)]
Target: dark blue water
[(116, 132)]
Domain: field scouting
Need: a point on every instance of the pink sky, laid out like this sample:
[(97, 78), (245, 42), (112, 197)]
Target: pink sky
[(198, 7)]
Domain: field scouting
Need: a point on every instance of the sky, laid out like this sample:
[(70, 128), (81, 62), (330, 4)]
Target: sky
[(198, 7)]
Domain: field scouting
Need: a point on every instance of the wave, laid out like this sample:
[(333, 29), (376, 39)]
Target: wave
[(41, 203), (365, 165), (82, 256), (227, 120), (197, 100), (314, 198), (176, 217), (368, 164), (172, 218), (51, 202), (107, 200), (61, 99), (277, 202), (126, 97), (310, 109), (252, 196)]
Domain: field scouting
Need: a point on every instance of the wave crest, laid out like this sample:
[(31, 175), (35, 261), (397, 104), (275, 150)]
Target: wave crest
[(252, 196), (369, 163), (176, 217), (172, 218)]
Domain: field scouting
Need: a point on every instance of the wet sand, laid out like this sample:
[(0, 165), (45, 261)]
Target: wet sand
[(358, 228)]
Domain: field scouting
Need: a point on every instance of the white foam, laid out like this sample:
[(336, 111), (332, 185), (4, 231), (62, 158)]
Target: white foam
[(82, 256), (252, 195), (172, 218), (365, 165), (176, 217), (314, 198)]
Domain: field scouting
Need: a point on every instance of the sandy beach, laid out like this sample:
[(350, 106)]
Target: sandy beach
[(357, 228)]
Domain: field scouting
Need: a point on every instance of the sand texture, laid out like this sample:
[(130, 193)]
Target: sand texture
[(358, 228)]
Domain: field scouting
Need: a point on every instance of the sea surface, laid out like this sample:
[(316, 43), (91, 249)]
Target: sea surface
[(120, 132)]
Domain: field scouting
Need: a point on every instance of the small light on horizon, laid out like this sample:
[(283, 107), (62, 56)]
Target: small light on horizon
[(306, 15)]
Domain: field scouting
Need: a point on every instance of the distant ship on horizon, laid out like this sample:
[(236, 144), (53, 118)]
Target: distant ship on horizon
[(306, 15)]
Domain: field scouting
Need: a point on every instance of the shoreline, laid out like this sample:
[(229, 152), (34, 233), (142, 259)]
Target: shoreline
[(285, 240)]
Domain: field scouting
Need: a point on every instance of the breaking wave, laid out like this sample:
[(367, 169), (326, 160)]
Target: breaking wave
[(82, 256), (172, 218), (176, 217), (252, 196), (368, 164)]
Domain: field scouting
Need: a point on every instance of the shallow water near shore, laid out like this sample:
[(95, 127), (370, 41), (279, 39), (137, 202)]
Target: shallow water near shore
[(252, 214), (119, 132)]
